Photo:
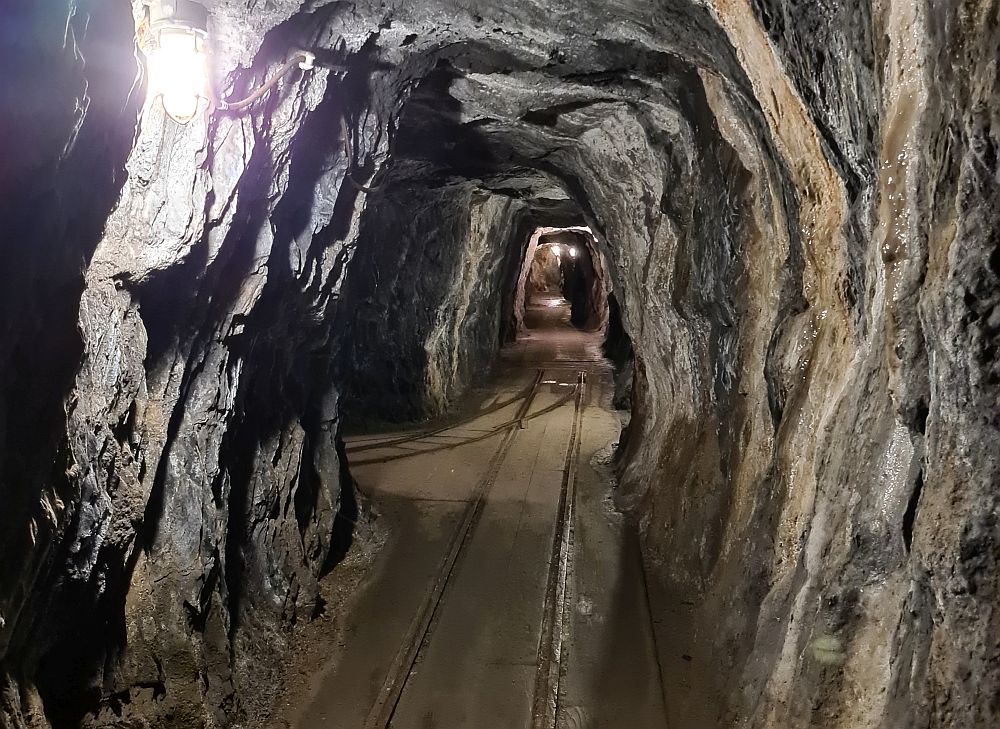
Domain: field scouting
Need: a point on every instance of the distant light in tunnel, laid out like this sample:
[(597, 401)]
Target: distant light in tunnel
[(573, 252)]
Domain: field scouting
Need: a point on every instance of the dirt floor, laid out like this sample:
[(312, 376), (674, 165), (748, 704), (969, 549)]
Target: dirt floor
[(497, 587)]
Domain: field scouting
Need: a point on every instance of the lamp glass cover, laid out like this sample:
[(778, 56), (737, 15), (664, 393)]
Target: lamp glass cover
[(178, 73)]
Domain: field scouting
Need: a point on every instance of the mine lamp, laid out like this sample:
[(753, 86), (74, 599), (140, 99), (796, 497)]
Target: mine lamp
[(175, 42), (173, 34), (556, 249)]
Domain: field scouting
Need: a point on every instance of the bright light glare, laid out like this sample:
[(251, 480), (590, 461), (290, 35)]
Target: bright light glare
[(573, 252), (556, 249), (178, 73)]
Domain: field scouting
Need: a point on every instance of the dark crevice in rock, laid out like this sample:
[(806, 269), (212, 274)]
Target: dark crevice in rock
[(910, 515)]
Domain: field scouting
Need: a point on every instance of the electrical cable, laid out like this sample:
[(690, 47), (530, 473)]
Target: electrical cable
[(302, 59), (305, 60), (296, 60)]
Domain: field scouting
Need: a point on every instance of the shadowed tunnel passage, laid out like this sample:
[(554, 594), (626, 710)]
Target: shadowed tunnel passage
[(567, 262), (293, 429)]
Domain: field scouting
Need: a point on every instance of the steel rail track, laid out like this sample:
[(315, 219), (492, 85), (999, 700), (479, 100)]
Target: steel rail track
[(550, 665), (496, 430), (367, 446), (381, 713)]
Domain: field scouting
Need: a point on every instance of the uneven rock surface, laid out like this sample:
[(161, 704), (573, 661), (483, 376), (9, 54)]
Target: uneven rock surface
[(426, 296), (797, 204)]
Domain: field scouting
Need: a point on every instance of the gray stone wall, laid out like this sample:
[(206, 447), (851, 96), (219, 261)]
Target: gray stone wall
[(797, 205)]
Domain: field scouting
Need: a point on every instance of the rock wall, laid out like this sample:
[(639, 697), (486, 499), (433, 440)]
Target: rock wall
[(798, 209), (429, 287), (170, 463), (68, 71), (544, 272)]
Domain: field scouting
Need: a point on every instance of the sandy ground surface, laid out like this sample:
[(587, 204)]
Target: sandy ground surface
[(437, 618)]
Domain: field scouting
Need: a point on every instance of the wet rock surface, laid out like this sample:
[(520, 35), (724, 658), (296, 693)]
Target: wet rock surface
[(798, 210)]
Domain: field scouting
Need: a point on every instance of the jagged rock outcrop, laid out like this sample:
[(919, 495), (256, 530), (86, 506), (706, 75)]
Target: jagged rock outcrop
[(544, 274), (195, 492), (798, 210), (426, 296)]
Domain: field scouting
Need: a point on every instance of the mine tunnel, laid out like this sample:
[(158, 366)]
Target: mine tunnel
[(474, 364)]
